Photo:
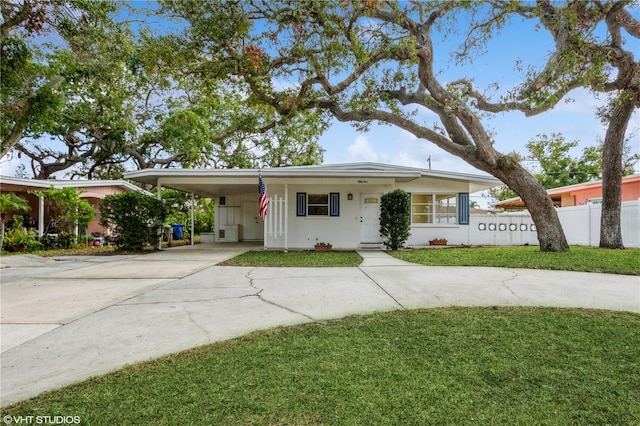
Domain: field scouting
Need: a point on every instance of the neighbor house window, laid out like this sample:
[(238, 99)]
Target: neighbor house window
[(318, 204), (434, 208)]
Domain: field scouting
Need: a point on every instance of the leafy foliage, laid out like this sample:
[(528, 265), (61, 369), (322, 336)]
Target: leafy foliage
[(395, 215), (134, 217), (10, 202), (204, 215), (16, 239), (67, 208), (36, 72)]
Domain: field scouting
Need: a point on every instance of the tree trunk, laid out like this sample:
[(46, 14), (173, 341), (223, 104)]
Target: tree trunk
[(610, 229), (543, 213)]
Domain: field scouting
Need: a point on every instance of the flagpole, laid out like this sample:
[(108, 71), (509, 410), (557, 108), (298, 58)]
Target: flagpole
[(264, 218)]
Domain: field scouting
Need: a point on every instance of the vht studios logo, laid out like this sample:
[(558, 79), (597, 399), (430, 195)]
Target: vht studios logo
[(42, 420)]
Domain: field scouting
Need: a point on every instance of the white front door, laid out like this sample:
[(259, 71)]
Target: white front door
[(252, 225), (370, 219)]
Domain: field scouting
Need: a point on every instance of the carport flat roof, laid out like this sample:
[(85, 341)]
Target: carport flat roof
[(8, 183), (212, 182)]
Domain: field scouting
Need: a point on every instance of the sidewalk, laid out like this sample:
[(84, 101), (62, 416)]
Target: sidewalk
[(67, 319)]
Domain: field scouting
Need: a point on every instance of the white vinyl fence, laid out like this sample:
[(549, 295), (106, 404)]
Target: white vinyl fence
[(581, 226)]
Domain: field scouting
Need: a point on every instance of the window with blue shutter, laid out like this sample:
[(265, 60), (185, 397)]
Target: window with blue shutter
[(334, 204), (318, 204), (301, 204), (463, 208)]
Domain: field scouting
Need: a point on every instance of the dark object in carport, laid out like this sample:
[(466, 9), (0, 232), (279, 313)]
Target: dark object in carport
[(177, 231)]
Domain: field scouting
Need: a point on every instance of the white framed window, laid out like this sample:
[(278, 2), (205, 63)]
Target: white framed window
[(318, 204), (434, 208), (421, 208)]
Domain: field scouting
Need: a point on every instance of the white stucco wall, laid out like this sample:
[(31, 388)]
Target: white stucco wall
[(344, 232)]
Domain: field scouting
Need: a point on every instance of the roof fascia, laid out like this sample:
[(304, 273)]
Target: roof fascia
[(47, 183)]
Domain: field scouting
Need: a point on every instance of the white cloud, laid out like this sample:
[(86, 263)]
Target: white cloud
[(362, 150)]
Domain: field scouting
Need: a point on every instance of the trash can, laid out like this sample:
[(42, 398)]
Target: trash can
[(177, 231)]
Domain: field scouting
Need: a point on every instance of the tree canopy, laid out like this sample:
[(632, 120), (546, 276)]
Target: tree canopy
[(73, 103)]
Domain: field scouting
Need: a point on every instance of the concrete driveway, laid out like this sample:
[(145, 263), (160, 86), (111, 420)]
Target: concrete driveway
[(69, 318)]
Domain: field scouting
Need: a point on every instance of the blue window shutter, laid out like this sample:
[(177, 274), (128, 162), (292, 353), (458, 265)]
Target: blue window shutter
[(334, 204), (301, 204), (463, 208)]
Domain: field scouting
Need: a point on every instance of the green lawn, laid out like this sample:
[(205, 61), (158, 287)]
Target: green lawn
[(295, 259), (580, 258), (440, 366), (587, 259)]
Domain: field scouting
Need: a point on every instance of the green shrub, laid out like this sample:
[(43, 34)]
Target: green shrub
[(134, 218), (18, 240), (63, 240), (395, 210)]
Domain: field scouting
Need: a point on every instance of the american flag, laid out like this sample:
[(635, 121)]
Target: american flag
[(263, 199)]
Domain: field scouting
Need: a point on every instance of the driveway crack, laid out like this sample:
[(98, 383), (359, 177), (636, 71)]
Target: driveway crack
[(382, 288), (195, 323), (505, 284), (258, 294)]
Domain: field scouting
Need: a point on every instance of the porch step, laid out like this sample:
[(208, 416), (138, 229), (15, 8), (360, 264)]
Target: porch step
[(371, 246)]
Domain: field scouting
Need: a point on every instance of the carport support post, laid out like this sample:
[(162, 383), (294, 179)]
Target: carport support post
[(40, 217), (193, 220)]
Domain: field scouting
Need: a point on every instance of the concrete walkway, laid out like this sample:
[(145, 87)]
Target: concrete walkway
[(69, 318)]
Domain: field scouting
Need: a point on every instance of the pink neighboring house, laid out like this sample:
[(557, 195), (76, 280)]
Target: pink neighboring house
[(581, 194), (94, 192)]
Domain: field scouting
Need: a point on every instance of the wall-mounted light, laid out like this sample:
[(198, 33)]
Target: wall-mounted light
[(349, 197)]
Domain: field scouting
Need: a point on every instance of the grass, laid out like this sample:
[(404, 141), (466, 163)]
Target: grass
[(295, 259), (78, 251), (580, 258), (439, 366)]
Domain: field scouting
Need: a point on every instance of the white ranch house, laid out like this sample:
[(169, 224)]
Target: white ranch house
[(337, 204)]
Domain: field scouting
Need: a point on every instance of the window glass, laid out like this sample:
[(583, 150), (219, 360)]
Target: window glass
[(421, 208), (318, 204), (446, 211), (318, 198), (434, 208)]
